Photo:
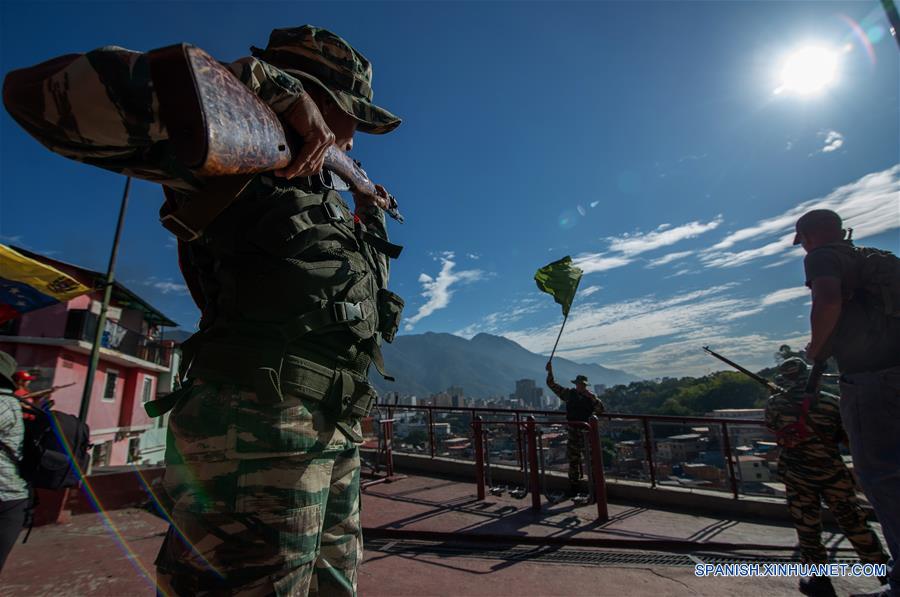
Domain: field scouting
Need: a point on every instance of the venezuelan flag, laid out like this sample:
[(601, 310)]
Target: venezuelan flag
[(27, 284)]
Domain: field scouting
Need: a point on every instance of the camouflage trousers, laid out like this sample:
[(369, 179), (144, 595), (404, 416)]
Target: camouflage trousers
[(575, 454), (263, 498), (838, 491)]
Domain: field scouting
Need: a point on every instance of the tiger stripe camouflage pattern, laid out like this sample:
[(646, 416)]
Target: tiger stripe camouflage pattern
[(99, 108), (812, 470), (264, 498)]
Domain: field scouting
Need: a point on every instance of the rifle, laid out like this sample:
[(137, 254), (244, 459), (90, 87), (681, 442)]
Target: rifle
[(47, 392), (774, 387), (218, 128)]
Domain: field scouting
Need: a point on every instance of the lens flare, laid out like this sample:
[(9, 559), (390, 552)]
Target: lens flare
[(94, 499), (865, 40)]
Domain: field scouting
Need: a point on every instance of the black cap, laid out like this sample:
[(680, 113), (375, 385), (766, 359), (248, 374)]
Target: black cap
[(817, 219)]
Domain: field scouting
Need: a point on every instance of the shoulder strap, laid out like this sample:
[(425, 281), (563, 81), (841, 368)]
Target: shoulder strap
[(188, 221)]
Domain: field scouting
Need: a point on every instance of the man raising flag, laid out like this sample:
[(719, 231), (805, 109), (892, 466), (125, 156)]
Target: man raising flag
[(560, 279)]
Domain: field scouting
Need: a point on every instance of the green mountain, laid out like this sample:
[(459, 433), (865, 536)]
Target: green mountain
[(484, 366)]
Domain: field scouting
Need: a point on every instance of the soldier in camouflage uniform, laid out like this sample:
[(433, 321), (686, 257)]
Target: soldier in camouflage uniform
[(262, 473), (580, 403), (812, 469)]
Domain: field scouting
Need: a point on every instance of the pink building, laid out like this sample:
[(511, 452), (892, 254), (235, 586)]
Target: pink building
[(135, 364)]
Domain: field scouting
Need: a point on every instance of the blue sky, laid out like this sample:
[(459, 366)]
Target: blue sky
[(644, 139)]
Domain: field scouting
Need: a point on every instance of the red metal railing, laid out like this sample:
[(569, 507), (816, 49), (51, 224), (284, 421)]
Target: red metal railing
[(644, 422), (534, 470)]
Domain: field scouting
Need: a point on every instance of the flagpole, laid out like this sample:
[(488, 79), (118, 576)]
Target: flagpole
[(566, 318), (104, 307)]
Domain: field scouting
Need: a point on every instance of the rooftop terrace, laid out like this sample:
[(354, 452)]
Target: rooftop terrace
[(432, 536)]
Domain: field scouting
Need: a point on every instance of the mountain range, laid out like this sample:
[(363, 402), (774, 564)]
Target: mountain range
[(484, 366)]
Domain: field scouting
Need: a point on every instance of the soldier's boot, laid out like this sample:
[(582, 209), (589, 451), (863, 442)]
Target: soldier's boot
[(817, 586)]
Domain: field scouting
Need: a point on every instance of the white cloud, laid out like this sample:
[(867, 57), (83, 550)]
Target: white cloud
[(669, 258), (170, 287), (473, 256), (494, 323), (784, 295), (595, 203), (624, 334), (833, 141), (13, 240), (586, 292), (868, 205), (634, 244), (599, 262), (439, 290)]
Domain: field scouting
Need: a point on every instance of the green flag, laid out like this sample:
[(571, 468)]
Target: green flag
[(560, 279)]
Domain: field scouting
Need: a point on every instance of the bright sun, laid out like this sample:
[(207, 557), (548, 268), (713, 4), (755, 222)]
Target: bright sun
[(808, 71)]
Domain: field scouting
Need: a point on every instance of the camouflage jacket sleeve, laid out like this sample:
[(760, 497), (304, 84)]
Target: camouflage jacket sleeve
[(99, 108), (599, 408), (557, 389)]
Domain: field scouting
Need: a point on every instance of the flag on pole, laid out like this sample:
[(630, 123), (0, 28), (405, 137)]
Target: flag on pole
[(27, 284), (560, 280)]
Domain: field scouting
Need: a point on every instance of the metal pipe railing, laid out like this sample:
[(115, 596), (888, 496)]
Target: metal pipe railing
[(534, 479), (535, 465), (479, 456), (597, 467), (523, 450)]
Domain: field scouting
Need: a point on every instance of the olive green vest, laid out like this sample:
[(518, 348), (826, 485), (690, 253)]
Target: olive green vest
[(295, 295)]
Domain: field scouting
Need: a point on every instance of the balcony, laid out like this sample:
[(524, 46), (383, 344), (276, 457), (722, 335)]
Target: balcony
[(82, 325)]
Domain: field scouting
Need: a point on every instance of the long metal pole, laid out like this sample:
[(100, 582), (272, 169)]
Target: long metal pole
[(561, 328), (104, 306)]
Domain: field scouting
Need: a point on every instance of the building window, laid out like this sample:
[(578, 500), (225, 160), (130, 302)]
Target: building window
[(134, 450), (147, 394), (101, 454), (109, 392)]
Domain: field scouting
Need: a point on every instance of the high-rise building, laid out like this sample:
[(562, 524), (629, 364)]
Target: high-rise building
[(528, 394)]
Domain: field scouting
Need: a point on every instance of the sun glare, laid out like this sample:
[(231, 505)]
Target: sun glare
[(808, 71)]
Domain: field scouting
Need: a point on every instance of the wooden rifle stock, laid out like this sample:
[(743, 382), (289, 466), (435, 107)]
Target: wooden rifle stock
[(217, 127)]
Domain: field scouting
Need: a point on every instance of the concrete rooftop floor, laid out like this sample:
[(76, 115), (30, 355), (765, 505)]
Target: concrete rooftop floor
[(85, 557)]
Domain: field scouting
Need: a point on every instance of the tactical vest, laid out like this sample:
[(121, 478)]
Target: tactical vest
[(295, 299)]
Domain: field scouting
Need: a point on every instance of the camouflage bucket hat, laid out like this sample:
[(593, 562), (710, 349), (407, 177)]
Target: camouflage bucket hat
[(792, 368), (580, 379), (321, 57)]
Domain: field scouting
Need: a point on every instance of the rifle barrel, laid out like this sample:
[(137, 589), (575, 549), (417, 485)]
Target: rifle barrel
[(769, 384)]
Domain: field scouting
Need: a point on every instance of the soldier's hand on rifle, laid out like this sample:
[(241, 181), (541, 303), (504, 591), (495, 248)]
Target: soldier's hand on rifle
[(381, 198), (306, 120)]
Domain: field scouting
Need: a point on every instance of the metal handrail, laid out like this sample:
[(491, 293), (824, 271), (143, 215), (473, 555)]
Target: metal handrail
[(521, 433)]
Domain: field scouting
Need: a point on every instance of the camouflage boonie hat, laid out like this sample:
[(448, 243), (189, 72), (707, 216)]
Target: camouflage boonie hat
[(793, 367), (321, 57), (580, 379), (8, 366)]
